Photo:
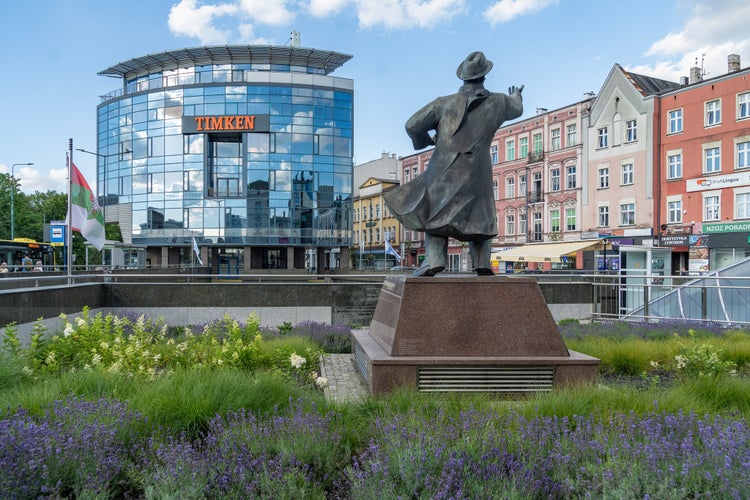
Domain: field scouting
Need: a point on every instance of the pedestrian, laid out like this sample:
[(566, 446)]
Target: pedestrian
[(26, 263)]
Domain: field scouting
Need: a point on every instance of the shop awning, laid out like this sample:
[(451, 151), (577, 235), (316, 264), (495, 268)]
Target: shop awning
[(544, 252)]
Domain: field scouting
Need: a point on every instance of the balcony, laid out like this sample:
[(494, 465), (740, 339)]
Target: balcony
[(535, 197), (536, 156)]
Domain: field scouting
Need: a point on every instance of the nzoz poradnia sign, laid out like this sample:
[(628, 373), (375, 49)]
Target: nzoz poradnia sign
[(726, 227)]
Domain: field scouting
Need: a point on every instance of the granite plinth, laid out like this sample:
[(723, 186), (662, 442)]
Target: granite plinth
[(464, 333)]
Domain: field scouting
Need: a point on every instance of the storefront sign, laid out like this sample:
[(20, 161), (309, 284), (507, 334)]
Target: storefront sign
[(718, 182), (727, 227), (673, 240), (225, 124)]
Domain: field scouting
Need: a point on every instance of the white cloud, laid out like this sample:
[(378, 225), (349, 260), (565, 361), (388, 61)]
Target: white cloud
[(505, 10), (323, 8), (274, 13), (713, 30), (407, 13), (188, 19)]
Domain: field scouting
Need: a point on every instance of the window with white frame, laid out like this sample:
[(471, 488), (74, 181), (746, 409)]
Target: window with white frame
[(604, 216), (711, 208), (495, 189), (603, 177), (493, 154), (631, 131), (415, 171), (674, 166), (554, 221), (407, 175), (522, 224), (555, 139), (743, 106), (571, 177), (743, 154), (603, 138), (570, 219), (627, 174), (554, 179), (522, 185), (742, 206), (674, 212), (510, 150), (627, 214), (510, 225), (537, 143), (675, 121), (510, 187), (713, 112), (523, 147), (712, 160), (571, 133)]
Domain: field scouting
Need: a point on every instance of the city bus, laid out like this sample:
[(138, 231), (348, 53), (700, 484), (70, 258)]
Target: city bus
[(12, 251)]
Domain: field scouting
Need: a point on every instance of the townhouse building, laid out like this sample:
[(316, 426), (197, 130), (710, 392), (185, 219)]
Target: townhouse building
[(704, 160), (537, 179), (373, 224)]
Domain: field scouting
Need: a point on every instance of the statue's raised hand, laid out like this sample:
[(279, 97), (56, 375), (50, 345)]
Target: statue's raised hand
[(515, 90)]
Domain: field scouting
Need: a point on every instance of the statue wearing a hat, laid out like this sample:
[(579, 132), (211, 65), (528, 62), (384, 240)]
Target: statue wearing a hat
[(454, 197)]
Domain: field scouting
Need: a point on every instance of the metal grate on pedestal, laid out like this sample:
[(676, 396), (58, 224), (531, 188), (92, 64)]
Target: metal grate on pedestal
[(485, 378), (360, 361)]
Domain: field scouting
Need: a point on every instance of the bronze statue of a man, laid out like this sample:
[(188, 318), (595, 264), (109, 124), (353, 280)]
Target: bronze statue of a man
[(454, 196)]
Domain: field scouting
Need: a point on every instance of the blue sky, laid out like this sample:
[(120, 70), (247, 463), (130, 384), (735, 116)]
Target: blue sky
[(405, 54)]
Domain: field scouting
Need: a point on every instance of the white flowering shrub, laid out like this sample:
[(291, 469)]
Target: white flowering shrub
[(700, 359)]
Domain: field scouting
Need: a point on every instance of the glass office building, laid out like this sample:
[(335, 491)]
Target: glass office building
[(248, 149)]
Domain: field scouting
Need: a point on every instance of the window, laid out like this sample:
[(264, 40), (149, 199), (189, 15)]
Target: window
[(674, 212), (523, 147), (675, 121), (602, 137), (570, 219), (571, 130), (537, 140), (631, 131), (536, 235), (627, 214), (510, 187), (510, 225), (711, 208), (713, 113), (674, 166), (570, 176), (554, 179), (521, 185), (510, 150), (407, 175), (554, 221), (522, 224), (743, 154), (743, 106), (555, 139), (627, 174), (493, 154), (604, 216), (603, 177), (495, 192), (712, 161), (742, 204)]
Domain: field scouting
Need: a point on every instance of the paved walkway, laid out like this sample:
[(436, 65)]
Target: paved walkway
[(344, 383)]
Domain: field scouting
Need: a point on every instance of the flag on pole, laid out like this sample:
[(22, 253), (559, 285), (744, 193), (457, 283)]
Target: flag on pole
[(86, 215), (390, 250), (197, 252)]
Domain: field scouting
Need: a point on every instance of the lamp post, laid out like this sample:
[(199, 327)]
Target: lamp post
[(104, 185), (13, 199)]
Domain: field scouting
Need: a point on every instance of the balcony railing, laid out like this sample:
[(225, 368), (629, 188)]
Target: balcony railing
[(536, 156)]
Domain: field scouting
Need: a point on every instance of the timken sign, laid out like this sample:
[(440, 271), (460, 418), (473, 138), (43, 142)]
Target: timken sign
[(225, 123)]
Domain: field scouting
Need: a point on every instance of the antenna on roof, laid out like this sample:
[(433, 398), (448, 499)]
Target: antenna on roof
[(590, 93), (295, 38)]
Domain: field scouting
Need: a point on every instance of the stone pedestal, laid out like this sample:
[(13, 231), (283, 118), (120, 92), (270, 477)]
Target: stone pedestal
[(466, 333)]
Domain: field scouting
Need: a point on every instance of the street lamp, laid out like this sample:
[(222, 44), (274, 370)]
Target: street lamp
[(13, 199), (104, 186)]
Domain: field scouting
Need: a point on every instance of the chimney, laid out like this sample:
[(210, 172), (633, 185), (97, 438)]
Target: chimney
[(695, 74), (733, 63)]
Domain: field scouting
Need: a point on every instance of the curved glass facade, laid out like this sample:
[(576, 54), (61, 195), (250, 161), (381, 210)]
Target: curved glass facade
[(252, 159)]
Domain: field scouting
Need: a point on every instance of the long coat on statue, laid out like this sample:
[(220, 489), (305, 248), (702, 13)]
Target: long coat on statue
[(454, 196)]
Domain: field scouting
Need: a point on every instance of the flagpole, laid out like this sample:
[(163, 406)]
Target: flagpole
[(69, 221)]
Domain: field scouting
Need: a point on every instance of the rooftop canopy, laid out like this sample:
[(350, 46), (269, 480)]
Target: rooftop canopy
[(228, 54)]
